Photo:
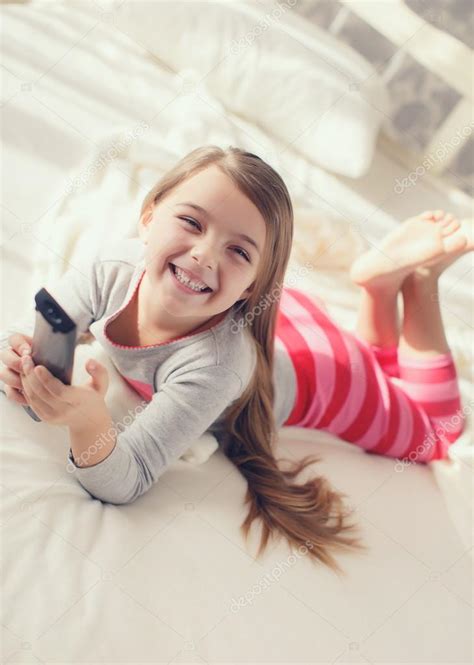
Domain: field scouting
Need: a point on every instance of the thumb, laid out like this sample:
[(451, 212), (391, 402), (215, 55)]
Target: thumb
[(99, 374)]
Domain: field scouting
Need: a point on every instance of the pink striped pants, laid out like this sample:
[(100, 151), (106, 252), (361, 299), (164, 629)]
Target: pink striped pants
[(376, 398)]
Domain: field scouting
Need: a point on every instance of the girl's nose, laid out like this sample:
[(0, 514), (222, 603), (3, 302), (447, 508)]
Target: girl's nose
[(205, 259)]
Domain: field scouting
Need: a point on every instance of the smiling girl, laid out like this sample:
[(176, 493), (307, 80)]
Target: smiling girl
[(188, 314)]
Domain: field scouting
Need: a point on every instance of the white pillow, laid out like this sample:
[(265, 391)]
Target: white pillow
[(297, 82)]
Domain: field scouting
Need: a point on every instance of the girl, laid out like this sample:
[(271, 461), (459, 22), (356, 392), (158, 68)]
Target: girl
[(193, 315)]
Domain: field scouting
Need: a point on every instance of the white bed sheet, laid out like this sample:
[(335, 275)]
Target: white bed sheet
[(158, 580)]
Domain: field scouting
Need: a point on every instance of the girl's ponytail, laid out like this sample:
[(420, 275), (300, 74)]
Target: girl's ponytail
[(309, 515)]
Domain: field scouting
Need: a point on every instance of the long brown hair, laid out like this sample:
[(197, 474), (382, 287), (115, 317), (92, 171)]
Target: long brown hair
[(309, 515)]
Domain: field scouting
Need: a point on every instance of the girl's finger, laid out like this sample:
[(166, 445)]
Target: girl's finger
[(11, 359), (10, 378), (36, 386), (50, 382), (47, 386), (15, 395), (35, 376), (18, 340), (39, 405)]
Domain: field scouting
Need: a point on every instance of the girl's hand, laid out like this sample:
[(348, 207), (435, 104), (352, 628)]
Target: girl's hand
[(59, 404), (10, 367)]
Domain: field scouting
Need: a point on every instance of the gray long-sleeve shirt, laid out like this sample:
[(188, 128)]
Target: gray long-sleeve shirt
[(187, 383)]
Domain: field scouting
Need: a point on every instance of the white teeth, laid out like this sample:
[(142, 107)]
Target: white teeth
[(181, 277)]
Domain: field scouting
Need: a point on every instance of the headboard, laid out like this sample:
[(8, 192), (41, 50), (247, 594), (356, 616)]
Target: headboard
[(438, 51)]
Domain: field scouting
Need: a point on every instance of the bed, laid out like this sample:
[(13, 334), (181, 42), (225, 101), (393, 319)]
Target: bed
[(93, 113)]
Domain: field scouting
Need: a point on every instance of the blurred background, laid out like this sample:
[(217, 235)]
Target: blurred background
[(429, 81)]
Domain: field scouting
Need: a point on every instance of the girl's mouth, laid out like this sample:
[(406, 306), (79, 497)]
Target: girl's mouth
[(183, 286)]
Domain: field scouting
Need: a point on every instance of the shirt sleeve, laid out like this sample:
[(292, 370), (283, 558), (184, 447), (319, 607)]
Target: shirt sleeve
[(77, 291), (178, 414)]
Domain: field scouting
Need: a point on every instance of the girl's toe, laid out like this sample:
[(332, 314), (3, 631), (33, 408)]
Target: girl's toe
[(438, 214), (444, 221), (427, 214), (451, 227), (454, 242)]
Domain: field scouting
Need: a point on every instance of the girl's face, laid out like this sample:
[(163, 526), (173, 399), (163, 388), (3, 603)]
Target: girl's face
[(200, 227)]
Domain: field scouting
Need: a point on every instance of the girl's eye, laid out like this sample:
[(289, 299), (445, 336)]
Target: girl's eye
[(193, 222), (244, 254), (189, 219)]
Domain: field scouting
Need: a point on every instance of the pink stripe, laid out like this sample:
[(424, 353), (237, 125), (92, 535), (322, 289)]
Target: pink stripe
[(389, 369), (343, 374), (371, 399), (378, 351), (385, 350), (429, 448), (441, 360), (387, 364), (427, 374), (387, 439), (315, 338), (433, 445), (319, 301), (296, 340), (443, 448), (443, 408), (340, 354), (405, 428), (380, 422), (452, 430), (143, 389), (356, 396), (432, 392), (386, 356), (303, 364), (422, 429)]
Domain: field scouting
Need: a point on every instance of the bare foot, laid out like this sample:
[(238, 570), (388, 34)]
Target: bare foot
[(426, 240), (464, 227)]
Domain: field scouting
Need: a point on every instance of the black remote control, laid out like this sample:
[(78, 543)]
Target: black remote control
[(54, 340)]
